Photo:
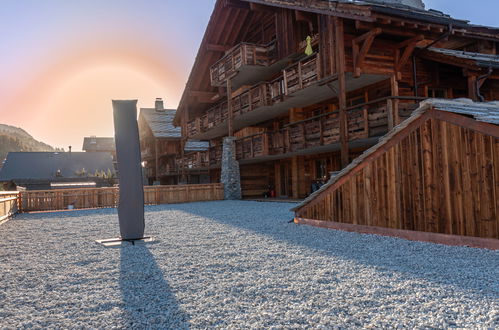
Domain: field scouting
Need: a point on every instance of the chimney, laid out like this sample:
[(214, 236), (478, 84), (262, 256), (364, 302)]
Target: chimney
[(159, 104)]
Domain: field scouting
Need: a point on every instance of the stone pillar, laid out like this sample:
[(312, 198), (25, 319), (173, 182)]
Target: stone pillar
[(230, 170)]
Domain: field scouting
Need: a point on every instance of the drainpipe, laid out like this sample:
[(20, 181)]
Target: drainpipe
[(414, 65), (478, 80)]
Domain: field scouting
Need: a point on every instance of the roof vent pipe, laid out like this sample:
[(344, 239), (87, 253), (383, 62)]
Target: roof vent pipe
[(159, 104)]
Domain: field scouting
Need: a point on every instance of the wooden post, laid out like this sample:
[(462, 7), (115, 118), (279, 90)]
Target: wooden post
[(394, 84), (342, 96), (472, 91), (294, 176), (230, 116), (157, 158)]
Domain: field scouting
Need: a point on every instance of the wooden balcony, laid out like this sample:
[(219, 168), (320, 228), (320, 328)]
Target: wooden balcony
[(252, 146), (301, 74), (366, 121), (195, 160), (255, 97), (247, 59)]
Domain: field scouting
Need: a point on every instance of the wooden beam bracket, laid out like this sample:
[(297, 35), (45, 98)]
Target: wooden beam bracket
[(360, 52)]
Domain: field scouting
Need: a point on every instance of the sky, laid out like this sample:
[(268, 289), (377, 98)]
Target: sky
[(62, 62)]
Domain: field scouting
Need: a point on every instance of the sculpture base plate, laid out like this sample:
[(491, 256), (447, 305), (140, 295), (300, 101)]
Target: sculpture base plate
[(118, 242)]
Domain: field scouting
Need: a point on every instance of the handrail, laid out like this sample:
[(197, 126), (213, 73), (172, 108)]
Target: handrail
[(356, 107), (231, 50)]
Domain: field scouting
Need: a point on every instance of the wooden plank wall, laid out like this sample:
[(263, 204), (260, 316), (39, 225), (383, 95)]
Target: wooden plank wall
[(255, 179), (55, 200), (8, 204), (441, 178)]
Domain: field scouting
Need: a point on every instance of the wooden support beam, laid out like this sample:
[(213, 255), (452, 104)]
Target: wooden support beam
[(342, 96), (156, 152), (260, 7), (204, 97), (472, 91), (359, 53), (401, 59), (294, 177), (230, 119), (217, 48)]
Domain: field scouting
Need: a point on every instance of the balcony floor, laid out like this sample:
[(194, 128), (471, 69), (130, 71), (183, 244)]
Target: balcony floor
[(315, 93), (234, 264)]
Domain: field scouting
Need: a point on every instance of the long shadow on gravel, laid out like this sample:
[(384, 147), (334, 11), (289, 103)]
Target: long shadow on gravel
[(148, 299), (460, 267)]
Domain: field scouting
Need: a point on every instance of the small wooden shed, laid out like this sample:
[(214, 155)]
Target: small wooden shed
[(434, 175)]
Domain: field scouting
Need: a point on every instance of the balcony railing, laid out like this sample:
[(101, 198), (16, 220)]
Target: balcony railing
[(301, 74), (195, 160), (364, 121), (296, 77), (252, 146), (239, 56)]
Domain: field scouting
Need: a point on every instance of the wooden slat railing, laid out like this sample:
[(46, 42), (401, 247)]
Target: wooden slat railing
[(365, 120), (63, 199), (241, 55), (9, 204)]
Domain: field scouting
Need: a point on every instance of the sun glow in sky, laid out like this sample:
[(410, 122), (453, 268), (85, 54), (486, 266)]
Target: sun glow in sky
[(62, 62)]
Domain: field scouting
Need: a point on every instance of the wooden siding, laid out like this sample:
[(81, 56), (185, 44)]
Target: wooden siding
[(8, 204), (440, 178), (56, 200)]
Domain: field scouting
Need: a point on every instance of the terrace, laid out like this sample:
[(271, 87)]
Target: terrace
[(234, 264)]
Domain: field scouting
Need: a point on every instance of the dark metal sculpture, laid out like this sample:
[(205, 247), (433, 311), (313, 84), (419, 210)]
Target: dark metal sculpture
[(131, 203)]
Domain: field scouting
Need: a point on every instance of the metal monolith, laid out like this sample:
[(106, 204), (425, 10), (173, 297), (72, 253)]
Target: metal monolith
[(131, 203)]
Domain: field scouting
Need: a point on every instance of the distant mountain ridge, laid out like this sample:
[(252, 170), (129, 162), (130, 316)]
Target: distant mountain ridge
[(16, 139)]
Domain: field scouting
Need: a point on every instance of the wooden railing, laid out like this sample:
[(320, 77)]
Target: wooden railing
[(366, 120), (294, 78), (9, 204), (241, 55), (194, 160), (253, 98), (301, 74), (63, 199), (370, 119), (252, 146)]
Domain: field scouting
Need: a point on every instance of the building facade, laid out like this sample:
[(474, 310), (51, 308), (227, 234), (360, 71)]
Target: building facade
[(305, 87)]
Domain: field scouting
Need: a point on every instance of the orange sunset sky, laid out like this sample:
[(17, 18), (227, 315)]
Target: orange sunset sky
[(61, 62)]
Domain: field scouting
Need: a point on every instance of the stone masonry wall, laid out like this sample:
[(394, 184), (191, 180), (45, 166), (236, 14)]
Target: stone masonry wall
[(230, 170)]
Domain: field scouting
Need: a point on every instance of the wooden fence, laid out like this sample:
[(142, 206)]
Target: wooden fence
[(8, 204), (437, 175), (89, 198)]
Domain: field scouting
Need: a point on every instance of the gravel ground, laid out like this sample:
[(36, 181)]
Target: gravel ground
[(235, 265)]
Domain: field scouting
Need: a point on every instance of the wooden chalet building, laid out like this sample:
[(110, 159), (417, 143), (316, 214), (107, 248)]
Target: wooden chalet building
[(167, 158), (306, 86), (99, 144)]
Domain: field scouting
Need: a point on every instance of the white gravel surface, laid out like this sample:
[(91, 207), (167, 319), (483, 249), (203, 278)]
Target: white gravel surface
[(235, 265)]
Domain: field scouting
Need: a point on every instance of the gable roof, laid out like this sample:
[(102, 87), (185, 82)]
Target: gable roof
[(94, 143), (483, 112), (161, 122), (471, 58), (21, 165)]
